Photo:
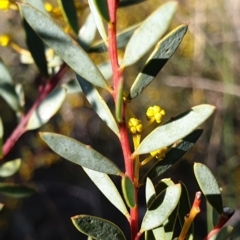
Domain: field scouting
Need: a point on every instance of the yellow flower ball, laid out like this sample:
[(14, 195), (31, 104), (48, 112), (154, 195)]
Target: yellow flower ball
[(4, 40), (135, 125), (155, 113), (4, 5)]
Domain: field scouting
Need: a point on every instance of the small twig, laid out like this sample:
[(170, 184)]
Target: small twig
[(223, 218), (138, 236), (190, 217), (21, 127)]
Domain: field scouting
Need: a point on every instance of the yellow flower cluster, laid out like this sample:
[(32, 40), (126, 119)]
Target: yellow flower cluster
[(159, 154), (5, 40), (55, 11), (48, 7), (155, 113), (5, 5), (135, 126)]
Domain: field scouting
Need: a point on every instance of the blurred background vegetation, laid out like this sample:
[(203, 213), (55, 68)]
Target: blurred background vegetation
[(205, 69)]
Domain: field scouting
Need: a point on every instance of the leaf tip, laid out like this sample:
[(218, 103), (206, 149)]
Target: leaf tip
[(174, 4), (41, 134), (22, 4), (228, 212)]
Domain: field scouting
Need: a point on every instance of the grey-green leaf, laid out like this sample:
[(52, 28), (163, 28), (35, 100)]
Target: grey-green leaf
[(98, 104), (185, 205), (97, 228), (87, 32), (63, 45), (102, 6), (169, 226), (106, 70), (9, 168), (5, 76), (223, 234), (70, 13), (163, 184), (166, 230), (37, 4), (8, 93), (150, 192), (49, 106), (1, 137), (124, 36), (80, 153), (172, 156), (98, 20), (164, 204), (149, 33), (119, 103), (122, 39), (34, 42), (159, 233), (1, 128), (177, 129), (162, 52), (7, 89), (209, 186), (20, 93), (215, 215), (36, 48), (128, 191), (148, 235), (109, 190), (16, 190)]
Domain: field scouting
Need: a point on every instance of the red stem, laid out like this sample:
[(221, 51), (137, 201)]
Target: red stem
[(112, 6), (138, 236), (221, 222), (197, 200), (21, 128), (113, 58), (126, 150), (117, 75), (129, 163), (188, 219), (112, 9), (134, 218)]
